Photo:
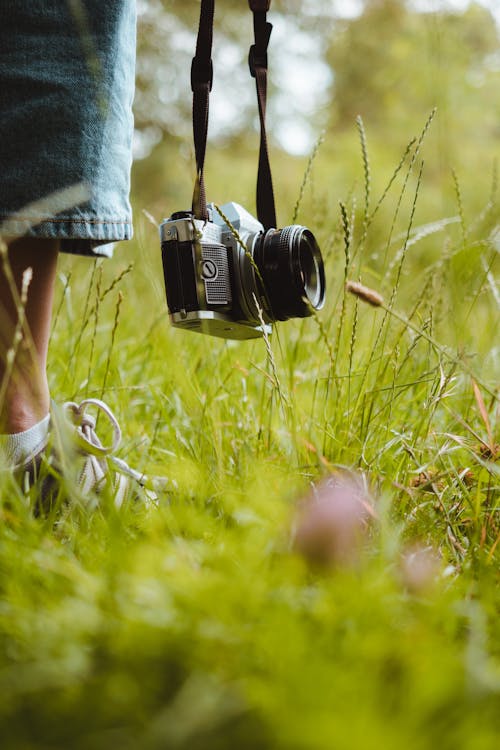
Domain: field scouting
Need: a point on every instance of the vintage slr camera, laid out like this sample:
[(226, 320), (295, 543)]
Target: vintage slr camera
[(229, 277)]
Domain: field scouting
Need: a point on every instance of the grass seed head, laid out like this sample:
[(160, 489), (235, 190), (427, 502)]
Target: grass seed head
[(365, 293), (489, 452)]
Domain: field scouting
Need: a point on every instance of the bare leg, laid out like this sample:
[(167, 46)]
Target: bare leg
[(26, 395)]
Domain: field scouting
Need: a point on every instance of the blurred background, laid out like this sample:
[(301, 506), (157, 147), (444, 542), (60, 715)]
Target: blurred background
[(390, 61)]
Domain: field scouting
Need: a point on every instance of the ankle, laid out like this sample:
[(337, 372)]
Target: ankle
[(21, 411)]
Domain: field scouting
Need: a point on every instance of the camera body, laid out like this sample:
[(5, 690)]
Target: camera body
[(229, 277)]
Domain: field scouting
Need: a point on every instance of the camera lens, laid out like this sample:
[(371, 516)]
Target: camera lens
[(290, 264)]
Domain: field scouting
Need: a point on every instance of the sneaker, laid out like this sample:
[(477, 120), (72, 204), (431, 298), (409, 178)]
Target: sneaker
[(25, 471), (76, 455), (92, 465)]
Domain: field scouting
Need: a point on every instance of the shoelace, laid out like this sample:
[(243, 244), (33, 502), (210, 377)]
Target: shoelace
[(95, 470), (87, 438)]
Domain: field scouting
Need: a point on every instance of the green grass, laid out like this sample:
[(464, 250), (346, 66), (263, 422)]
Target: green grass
[(195, 624)]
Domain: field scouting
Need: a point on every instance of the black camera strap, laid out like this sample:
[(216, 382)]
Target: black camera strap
[(201, 85), (257, 61)]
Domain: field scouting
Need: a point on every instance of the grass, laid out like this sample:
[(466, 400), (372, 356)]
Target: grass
[(195, 624)]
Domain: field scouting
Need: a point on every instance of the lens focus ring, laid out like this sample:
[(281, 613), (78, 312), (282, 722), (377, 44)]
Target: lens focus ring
[(290, 263)]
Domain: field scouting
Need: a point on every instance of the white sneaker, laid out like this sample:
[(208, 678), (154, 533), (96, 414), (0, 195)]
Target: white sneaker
[(81, 455)]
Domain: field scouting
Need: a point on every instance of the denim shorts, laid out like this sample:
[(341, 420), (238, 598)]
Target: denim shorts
[(67, 72)]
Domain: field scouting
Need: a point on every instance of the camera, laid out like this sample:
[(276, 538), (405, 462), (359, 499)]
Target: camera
[(229, 277)]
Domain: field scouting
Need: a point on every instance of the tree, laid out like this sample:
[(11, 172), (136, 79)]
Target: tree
[(392, 64)]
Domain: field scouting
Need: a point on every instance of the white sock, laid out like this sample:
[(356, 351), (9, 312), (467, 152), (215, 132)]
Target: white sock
[(18, 448)]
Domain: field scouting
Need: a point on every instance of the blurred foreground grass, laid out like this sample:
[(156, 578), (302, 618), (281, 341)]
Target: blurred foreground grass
[(194, 624)]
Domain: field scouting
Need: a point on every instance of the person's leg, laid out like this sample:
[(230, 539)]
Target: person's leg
[(23, 382)]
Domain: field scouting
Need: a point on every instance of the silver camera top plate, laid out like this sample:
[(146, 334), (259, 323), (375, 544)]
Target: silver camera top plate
[(189, 229)]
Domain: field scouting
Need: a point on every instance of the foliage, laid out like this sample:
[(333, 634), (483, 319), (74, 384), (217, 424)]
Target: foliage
[(391, 62), (195, 623), (388, 64)]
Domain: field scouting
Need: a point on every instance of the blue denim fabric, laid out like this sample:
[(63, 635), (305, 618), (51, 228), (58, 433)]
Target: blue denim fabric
[(66, 88)]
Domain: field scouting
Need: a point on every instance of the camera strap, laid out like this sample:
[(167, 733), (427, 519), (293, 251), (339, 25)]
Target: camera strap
[(257, 61), (201, 85)]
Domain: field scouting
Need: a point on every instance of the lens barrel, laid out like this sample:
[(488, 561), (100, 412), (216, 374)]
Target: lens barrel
[(293, 276)]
